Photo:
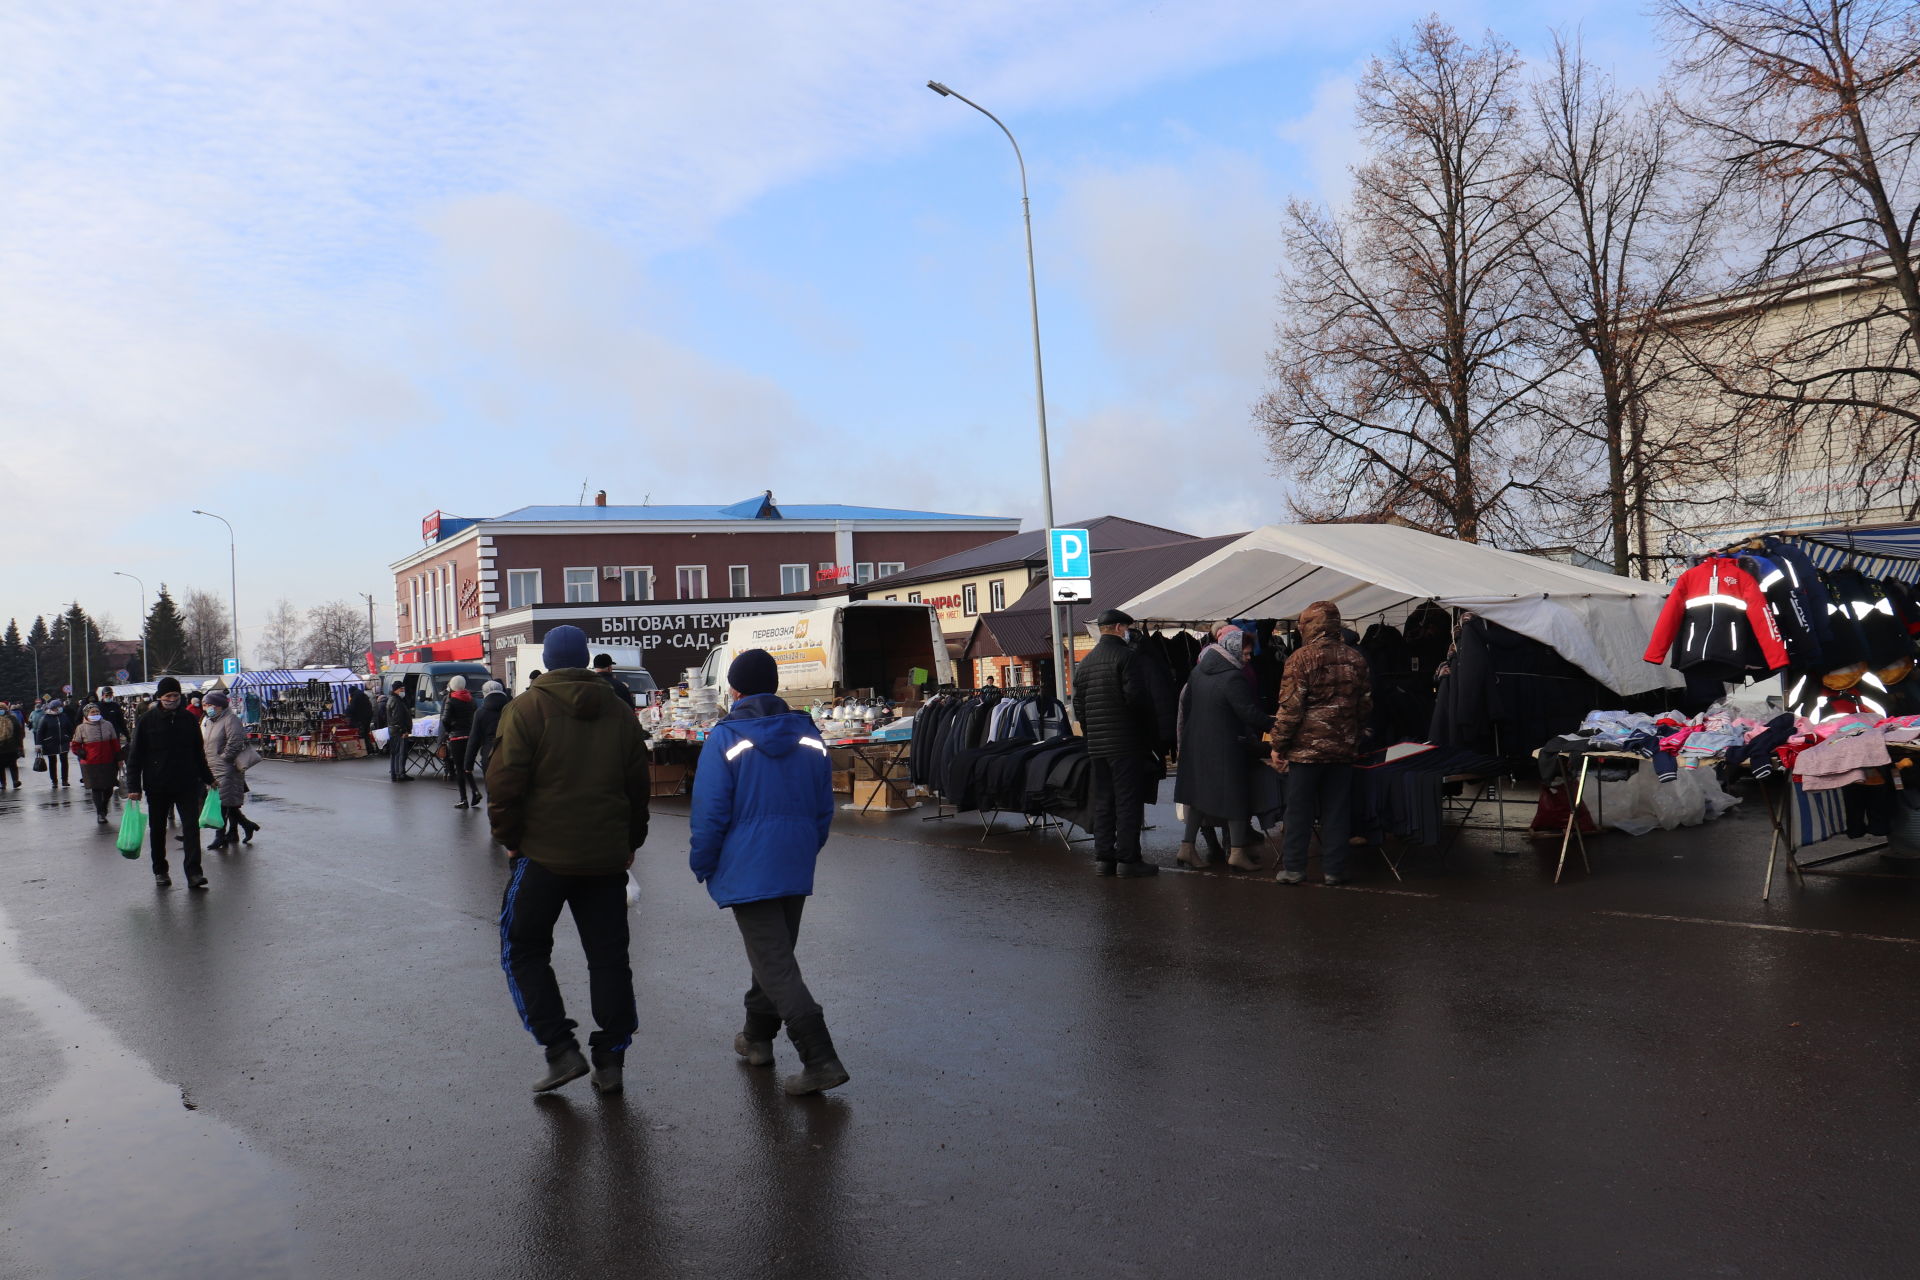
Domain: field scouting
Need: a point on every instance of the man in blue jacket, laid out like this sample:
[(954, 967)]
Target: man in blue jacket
[(762, 808)]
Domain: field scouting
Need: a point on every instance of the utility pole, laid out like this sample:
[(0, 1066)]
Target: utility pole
[(371, 672)]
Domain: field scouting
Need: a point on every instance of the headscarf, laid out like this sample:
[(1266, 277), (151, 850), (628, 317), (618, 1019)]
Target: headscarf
[(1232, 641)]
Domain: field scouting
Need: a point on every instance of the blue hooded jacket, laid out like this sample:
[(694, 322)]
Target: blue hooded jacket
[(762, 803)]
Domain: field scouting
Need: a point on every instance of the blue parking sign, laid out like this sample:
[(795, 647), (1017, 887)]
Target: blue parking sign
[(1069, 553), (229, 666)]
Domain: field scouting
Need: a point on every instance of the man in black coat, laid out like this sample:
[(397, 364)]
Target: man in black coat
[(1127, 718), (360, 716), (168, 763), (57, 724), (603, 667), (399, 726), (486, 728)]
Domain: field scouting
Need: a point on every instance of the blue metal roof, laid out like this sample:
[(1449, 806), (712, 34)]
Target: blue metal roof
[(755, 508)]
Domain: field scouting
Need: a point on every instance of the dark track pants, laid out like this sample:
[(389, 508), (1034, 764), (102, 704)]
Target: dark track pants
[(185, 805), (528, 911), (771, 929), (1119, 805), (1323, 791)]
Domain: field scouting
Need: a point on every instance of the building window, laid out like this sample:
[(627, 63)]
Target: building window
[(582, 586), (523, 588), (737, 581), (863, 573), (636, 583), (793, 579), (692, 581), (969, 599), (997, 594), (887, 568), (893, 597), (450, 614), (913, 597)]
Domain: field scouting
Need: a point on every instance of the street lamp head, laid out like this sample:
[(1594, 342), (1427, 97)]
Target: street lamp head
[(939, 88), (197, 511)]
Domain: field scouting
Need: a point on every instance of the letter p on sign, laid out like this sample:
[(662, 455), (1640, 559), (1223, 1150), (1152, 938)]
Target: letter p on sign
[(1069, 553)]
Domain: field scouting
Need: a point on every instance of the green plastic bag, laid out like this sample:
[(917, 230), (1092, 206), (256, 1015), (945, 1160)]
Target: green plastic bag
[(133, 829), (210, 815)]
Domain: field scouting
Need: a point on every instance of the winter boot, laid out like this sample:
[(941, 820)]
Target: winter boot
[(1212, 837), (1189, 857), (565, 1063), (758, 1053), (755, 1041), (1138, 867), (607, 1069), (1243, 860), (820, 1066)]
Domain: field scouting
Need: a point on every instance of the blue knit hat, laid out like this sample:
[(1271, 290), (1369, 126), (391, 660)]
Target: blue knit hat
[(564, 647), (753, 672)]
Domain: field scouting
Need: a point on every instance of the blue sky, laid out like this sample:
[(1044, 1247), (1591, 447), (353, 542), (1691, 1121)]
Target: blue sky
[(326, 267)]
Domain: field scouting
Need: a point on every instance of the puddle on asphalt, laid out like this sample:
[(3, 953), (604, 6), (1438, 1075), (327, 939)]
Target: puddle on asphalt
[(109, 1173)]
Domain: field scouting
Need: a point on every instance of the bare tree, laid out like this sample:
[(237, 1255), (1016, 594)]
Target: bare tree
[(1814, 108), (282, 644), (209, 631), (1408, 372), (1628, 237), (337, 635)]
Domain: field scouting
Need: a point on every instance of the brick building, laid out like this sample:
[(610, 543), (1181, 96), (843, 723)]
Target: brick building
[(673, 574)]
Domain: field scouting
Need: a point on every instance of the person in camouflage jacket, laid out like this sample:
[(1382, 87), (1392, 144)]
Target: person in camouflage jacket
[(1325, 699)]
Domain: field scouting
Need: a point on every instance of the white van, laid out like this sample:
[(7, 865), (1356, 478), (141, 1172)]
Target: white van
[(866, 644)]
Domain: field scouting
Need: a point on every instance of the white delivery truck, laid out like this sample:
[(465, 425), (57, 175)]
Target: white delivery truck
[(823, 653), (525, 659)]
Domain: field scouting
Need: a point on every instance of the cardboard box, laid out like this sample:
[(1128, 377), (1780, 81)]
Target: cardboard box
[(843, 781), (669, 779), (881, 796)]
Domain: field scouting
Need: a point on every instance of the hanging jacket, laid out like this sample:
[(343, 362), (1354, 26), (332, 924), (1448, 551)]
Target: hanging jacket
[(1787, 607), (762, 804), (1716, 616), (1883, 636), (1805, 582)]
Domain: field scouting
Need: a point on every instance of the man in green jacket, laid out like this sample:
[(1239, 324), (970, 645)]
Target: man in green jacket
[(567, 793)]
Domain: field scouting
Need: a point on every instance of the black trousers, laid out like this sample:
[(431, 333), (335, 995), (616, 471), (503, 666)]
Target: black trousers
[(771, 928), (186, 805), (396, 756), (528, 911), (57, 762), (1323, 791), (1119, 805), (10, 767), (457, 766), (102, 797)]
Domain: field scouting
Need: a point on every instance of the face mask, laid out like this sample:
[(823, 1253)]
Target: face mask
[(94, 718)]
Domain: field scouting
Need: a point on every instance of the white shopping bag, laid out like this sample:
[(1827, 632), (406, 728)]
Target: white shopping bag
[(633, 891)]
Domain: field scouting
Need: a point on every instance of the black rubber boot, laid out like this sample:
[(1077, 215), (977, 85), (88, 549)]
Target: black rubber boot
[(607, 1069), (820, 1067), (564, 1065)]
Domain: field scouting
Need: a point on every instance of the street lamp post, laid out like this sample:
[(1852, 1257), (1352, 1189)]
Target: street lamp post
[(233, 583), (1062, 656), (369, 599), (146, 663)]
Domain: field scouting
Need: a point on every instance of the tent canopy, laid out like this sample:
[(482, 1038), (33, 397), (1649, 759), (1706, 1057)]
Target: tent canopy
[(1597, 621), (267, 685)]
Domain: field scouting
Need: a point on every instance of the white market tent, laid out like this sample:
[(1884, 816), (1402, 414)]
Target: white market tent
[(1597, 621)]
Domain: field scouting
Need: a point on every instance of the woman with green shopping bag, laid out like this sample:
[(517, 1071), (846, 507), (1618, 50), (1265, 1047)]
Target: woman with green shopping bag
[(168, 764)]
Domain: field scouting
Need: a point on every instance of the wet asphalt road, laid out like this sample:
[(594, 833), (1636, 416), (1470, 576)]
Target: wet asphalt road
[(314, 1069)]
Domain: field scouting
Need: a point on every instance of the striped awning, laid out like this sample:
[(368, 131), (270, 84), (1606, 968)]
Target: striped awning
[(268, 685), (1880, 552)]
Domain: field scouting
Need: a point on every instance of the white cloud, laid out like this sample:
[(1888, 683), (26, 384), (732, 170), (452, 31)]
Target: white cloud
[(1175, 266), (1327, 139)]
